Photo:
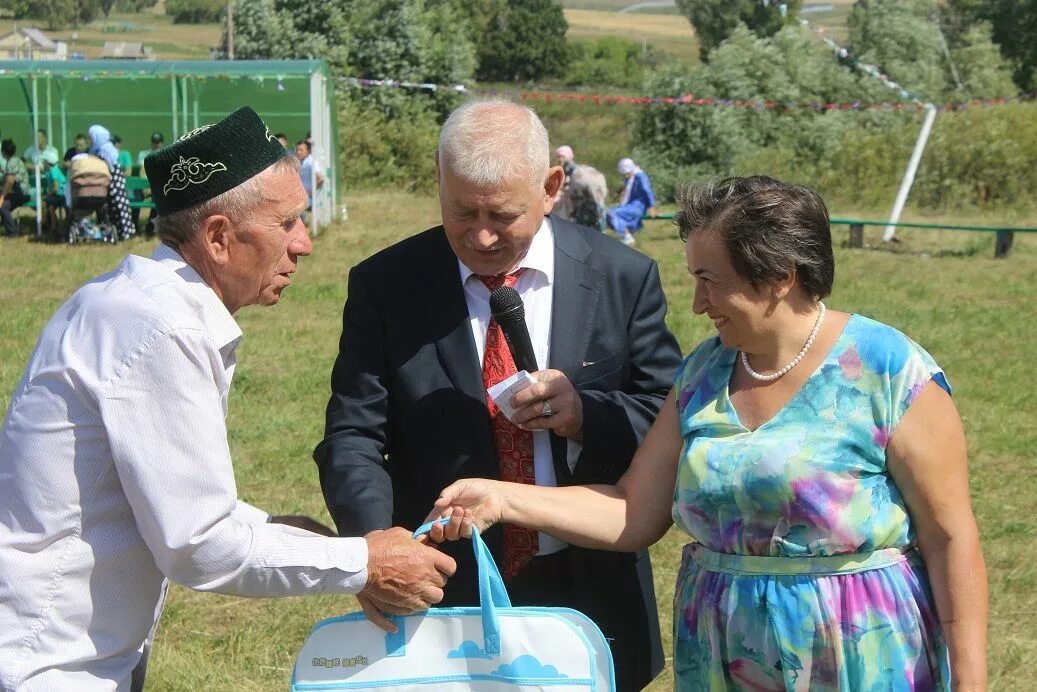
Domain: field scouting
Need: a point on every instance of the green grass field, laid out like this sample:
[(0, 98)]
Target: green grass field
[(973, 313)]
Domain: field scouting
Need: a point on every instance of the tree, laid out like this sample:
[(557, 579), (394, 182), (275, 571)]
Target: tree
[(1014, 26), (524, 40), (983, 71), (936, 55), (260, 31), (194, 11), (682, 142), (57, 14), (714, 20), (902, 38)]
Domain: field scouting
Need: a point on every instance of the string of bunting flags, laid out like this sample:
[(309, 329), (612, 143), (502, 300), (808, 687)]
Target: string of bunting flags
[(683, 100)]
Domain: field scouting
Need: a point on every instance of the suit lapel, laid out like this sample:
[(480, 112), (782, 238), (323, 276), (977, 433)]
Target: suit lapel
[(574, 299), (446, 302)]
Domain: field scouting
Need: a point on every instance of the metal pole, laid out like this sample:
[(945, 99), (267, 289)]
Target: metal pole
[(316, 133), (64, 123), (230, 29), (39, 161), (183, 104), (50, 117), (909, 175), (172, 96), (194, 89)]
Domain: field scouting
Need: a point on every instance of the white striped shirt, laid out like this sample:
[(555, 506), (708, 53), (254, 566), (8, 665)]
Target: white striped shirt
[(115, 474)]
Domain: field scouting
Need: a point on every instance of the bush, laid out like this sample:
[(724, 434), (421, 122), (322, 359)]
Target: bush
[(612, 62), (194, 11), (390, 144), (523, 40)]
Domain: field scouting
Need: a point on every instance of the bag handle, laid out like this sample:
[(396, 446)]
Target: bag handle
[(492, 592)]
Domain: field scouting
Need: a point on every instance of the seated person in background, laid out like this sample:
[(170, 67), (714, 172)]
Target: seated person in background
[(31, 156), (81, 145), (635, 199), (14, 186), (54, 184), (582, 197), (282, 138), (125, 161), (308, 169), (156, 143)]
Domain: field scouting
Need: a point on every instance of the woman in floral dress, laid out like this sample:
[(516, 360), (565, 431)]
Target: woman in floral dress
[(814, 457)]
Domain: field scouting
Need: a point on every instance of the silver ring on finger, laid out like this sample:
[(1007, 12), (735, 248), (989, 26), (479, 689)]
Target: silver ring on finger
[(545, 410)]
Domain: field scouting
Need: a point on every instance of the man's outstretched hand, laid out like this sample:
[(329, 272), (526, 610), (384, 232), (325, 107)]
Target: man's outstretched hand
[(404, 575)]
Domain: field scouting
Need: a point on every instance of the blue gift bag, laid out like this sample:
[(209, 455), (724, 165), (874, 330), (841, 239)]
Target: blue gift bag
[(492, 647)]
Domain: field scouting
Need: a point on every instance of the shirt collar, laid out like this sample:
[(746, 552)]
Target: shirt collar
[(218, 320), (539, 257)]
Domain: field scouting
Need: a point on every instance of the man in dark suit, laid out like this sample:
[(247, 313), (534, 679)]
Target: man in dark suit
[(409, 413)]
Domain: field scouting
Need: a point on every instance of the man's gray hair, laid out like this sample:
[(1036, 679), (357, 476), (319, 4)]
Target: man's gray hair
[(488, 142), (237, 204)]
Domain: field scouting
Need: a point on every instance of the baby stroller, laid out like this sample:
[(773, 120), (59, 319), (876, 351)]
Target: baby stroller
[(88, 216)]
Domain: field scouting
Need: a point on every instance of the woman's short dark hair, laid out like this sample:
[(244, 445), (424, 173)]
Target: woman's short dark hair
[(768, 227), (7, 148)]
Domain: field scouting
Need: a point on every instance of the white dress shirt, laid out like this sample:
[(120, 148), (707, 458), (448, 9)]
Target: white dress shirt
[(534, 286), (115, 474)]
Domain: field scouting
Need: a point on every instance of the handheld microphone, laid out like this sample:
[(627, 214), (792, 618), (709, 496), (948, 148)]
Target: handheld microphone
[(507, 309)]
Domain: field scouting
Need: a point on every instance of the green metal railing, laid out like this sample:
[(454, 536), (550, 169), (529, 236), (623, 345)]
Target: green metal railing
[(1002, 244)]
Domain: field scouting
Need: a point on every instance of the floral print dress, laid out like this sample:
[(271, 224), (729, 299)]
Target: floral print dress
[(803, 574)]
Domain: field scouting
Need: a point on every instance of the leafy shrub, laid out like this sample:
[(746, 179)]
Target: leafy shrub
[(194, 11), (388, 145), (610, 61)]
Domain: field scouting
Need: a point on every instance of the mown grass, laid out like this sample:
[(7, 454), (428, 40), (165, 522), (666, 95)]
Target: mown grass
[(975, 315)]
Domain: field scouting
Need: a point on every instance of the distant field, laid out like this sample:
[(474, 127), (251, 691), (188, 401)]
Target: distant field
[(665, 32), (168, 41)]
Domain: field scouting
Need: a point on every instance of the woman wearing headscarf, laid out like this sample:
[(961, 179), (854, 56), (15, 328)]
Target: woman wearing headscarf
[(814, 457), (635, 199), (118, 203), (582, 197)]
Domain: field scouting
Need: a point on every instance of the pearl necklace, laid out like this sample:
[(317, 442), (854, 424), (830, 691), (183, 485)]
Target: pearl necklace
[(795, 361)]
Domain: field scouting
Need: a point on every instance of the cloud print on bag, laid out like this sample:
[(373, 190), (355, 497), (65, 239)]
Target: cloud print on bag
[(527, 666), (468, 649)]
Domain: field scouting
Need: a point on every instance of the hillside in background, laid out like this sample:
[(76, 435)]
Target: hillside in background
[(657, 27)]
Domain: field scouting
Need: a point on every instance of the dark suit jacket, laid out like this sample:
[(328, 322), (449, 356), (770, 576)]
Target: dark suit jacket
[(408, 415)]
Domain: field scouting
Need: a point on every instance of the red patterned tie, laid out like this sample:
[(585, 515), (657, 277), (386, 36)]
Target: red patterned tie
[(514, 445)]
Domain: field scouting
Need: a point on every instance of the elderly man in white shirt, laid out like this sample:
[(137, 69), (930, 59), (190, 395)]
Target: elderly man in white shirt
[(115, 472)]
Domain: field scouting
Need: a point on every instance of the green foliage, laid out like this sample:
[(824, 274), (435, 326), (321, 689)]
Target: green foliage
[(389, 136), (194, 11), (715, 20), (790, 67), (975, 159), (980, 158), (902, 38), (55, 14), (388, 148), (523, 40), (921, 47), (133, 6), (1014, 26), (260, 31), (984, 73), (611, 62)]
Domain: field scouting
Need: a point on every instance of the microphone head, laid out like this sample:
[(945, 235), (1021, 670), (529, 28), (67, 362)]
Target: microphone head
[(506, 305)]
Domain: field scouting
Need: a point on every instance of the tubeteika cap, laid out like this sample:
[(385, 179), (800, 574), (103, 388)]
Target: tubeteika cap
[(210, 160)]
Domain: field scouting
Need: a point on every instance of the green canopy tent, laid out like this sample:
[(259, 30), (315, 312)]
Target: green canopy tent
[(134, 98)]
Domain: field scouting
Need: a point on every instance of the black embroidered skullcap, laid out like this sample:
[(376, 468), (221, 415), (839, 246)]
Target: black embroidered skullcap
[(210, 160)]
